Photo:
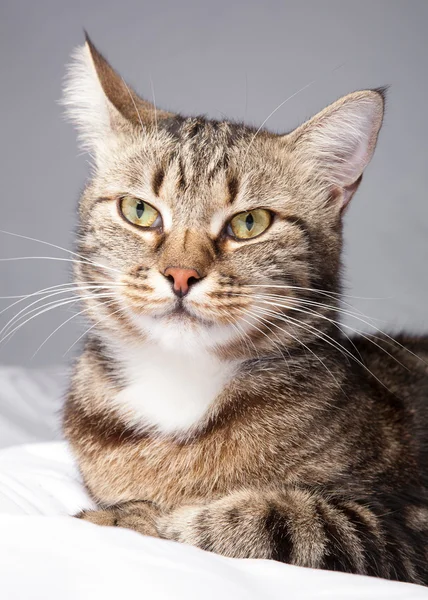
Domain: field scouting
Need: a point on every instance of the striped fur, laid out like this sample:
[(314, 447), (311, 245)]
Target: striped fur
[(240, 419)]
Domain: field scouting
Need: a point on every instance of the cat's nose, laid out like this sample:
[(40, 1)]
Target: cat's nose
[(181, 279)]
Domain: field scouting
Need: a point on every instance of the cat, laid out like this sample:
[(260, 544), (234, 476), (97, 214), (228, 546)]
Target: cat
[(217, 401)]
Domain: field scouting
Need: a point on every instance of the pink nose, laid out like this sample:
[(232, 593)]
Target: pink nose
[(182, 279)]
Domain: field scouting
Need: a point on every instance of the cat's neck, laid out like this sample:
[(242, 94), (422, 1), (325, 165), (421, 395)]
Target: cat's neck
[(169, 389), (174, 385)]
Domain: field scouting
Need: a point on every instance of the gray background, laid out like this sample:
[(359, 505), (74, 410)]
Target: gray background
[(237, 58)]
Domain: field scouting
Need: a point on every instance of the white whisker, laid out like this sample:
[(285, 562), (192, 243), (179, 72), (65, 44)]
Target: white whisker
[(92, 326), (48, 307), (302, 89), (65, 323), (45, 297), (337, 295), (273, 112), (133, 102), (315, 313), (257, 328), (299, 341), (52, 287), (154, 103), (329, 340), (392, 340), (31, 239), (278, 346), (352, 313)]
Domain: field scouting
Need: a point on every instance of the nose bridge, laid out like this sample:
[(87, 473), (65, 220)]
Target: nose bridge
[(188, 249)]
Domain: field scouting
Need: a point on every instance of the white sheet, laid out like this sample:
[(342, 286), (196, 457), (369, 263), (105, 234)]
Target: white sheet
[(30, 401), (46, 555), (58, 559)]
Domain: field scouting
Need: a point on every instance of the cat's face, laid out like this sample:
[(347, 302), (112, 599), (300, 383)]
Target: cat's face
[(210, 233)]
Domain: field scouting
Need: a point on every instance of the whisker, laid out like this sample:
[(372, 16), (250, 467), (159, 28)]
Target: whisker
[(52, 287), (31, 239), (259, 330), (305, 87), (360, 333), (133, 102), (14, 258), (316, 313), (65, 323), (304, 302), (304, 345), (337, 324), (230, 321), (106, 304), (316, 332), (279, 345), (45, 297), (242, 334), (56, 258), (308, 327), (329, 340), (48, 307), (154, 104), (315, 291), (355, 313), (273, 112)]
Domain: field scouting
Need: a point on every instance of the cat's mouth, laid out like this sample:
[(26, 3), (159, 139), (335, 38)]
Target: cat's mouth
[(181, 312), (183, 325), (193, 314)]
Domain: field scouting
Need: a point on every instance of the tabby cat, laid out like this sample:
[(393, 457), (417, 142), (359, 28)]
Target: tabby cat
[(217, 401)]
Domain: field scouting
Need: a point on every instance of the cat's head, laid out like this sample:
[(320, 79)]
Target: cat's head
[(209, 233)]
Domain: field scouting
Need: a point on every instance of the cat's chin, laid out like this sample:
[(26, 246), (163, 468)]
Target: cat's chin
[(181, 314), (184, 332)]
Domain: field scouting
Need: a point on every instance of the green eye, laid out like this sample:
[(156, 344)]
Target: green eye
[(139, 213), (250, 224)]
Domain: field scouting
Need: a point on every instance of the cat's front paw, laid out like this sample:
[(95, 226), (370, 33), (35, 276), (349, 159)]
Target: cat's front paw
[(234, 526), (139, 515)]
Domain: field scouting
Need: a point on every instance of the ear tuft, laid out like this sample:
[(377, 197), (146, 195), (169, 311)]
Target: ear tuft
[(383, 91), (84, 100), (100, 103)]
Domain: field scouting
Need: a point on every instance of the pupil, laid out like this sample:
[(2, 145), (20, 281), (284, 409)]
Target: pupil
[(249, 221), (140, 209)]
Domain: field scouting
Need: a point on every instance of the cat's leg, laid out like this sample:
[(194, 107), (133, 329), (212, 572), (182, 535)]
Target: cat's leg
[(293, 525), (304, 527), (139, 515)]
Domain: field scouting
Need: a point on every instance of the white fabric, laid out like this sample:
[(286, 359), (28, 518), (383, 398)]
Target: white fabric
[(30, 401), (47, 555), (51, 557)]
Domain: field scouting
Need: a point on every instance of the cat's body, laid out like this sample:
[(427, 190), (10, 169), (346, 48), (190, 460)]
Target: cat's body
[(364, 431), (232, 413)]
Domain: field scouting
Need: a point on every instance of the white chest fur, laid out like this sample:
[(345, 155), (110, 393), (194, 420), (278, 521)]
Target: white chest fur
[(168, 389)]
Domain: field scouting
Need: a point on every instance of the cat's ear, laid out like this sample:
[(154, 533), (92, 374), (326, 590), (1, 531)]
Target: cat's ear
[(100, 103), (338, 143)]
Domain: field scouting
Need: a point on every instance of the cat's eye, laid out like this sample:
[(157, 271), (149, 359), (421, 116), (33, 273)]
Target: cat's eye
[(140, 213), (249, 224)]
